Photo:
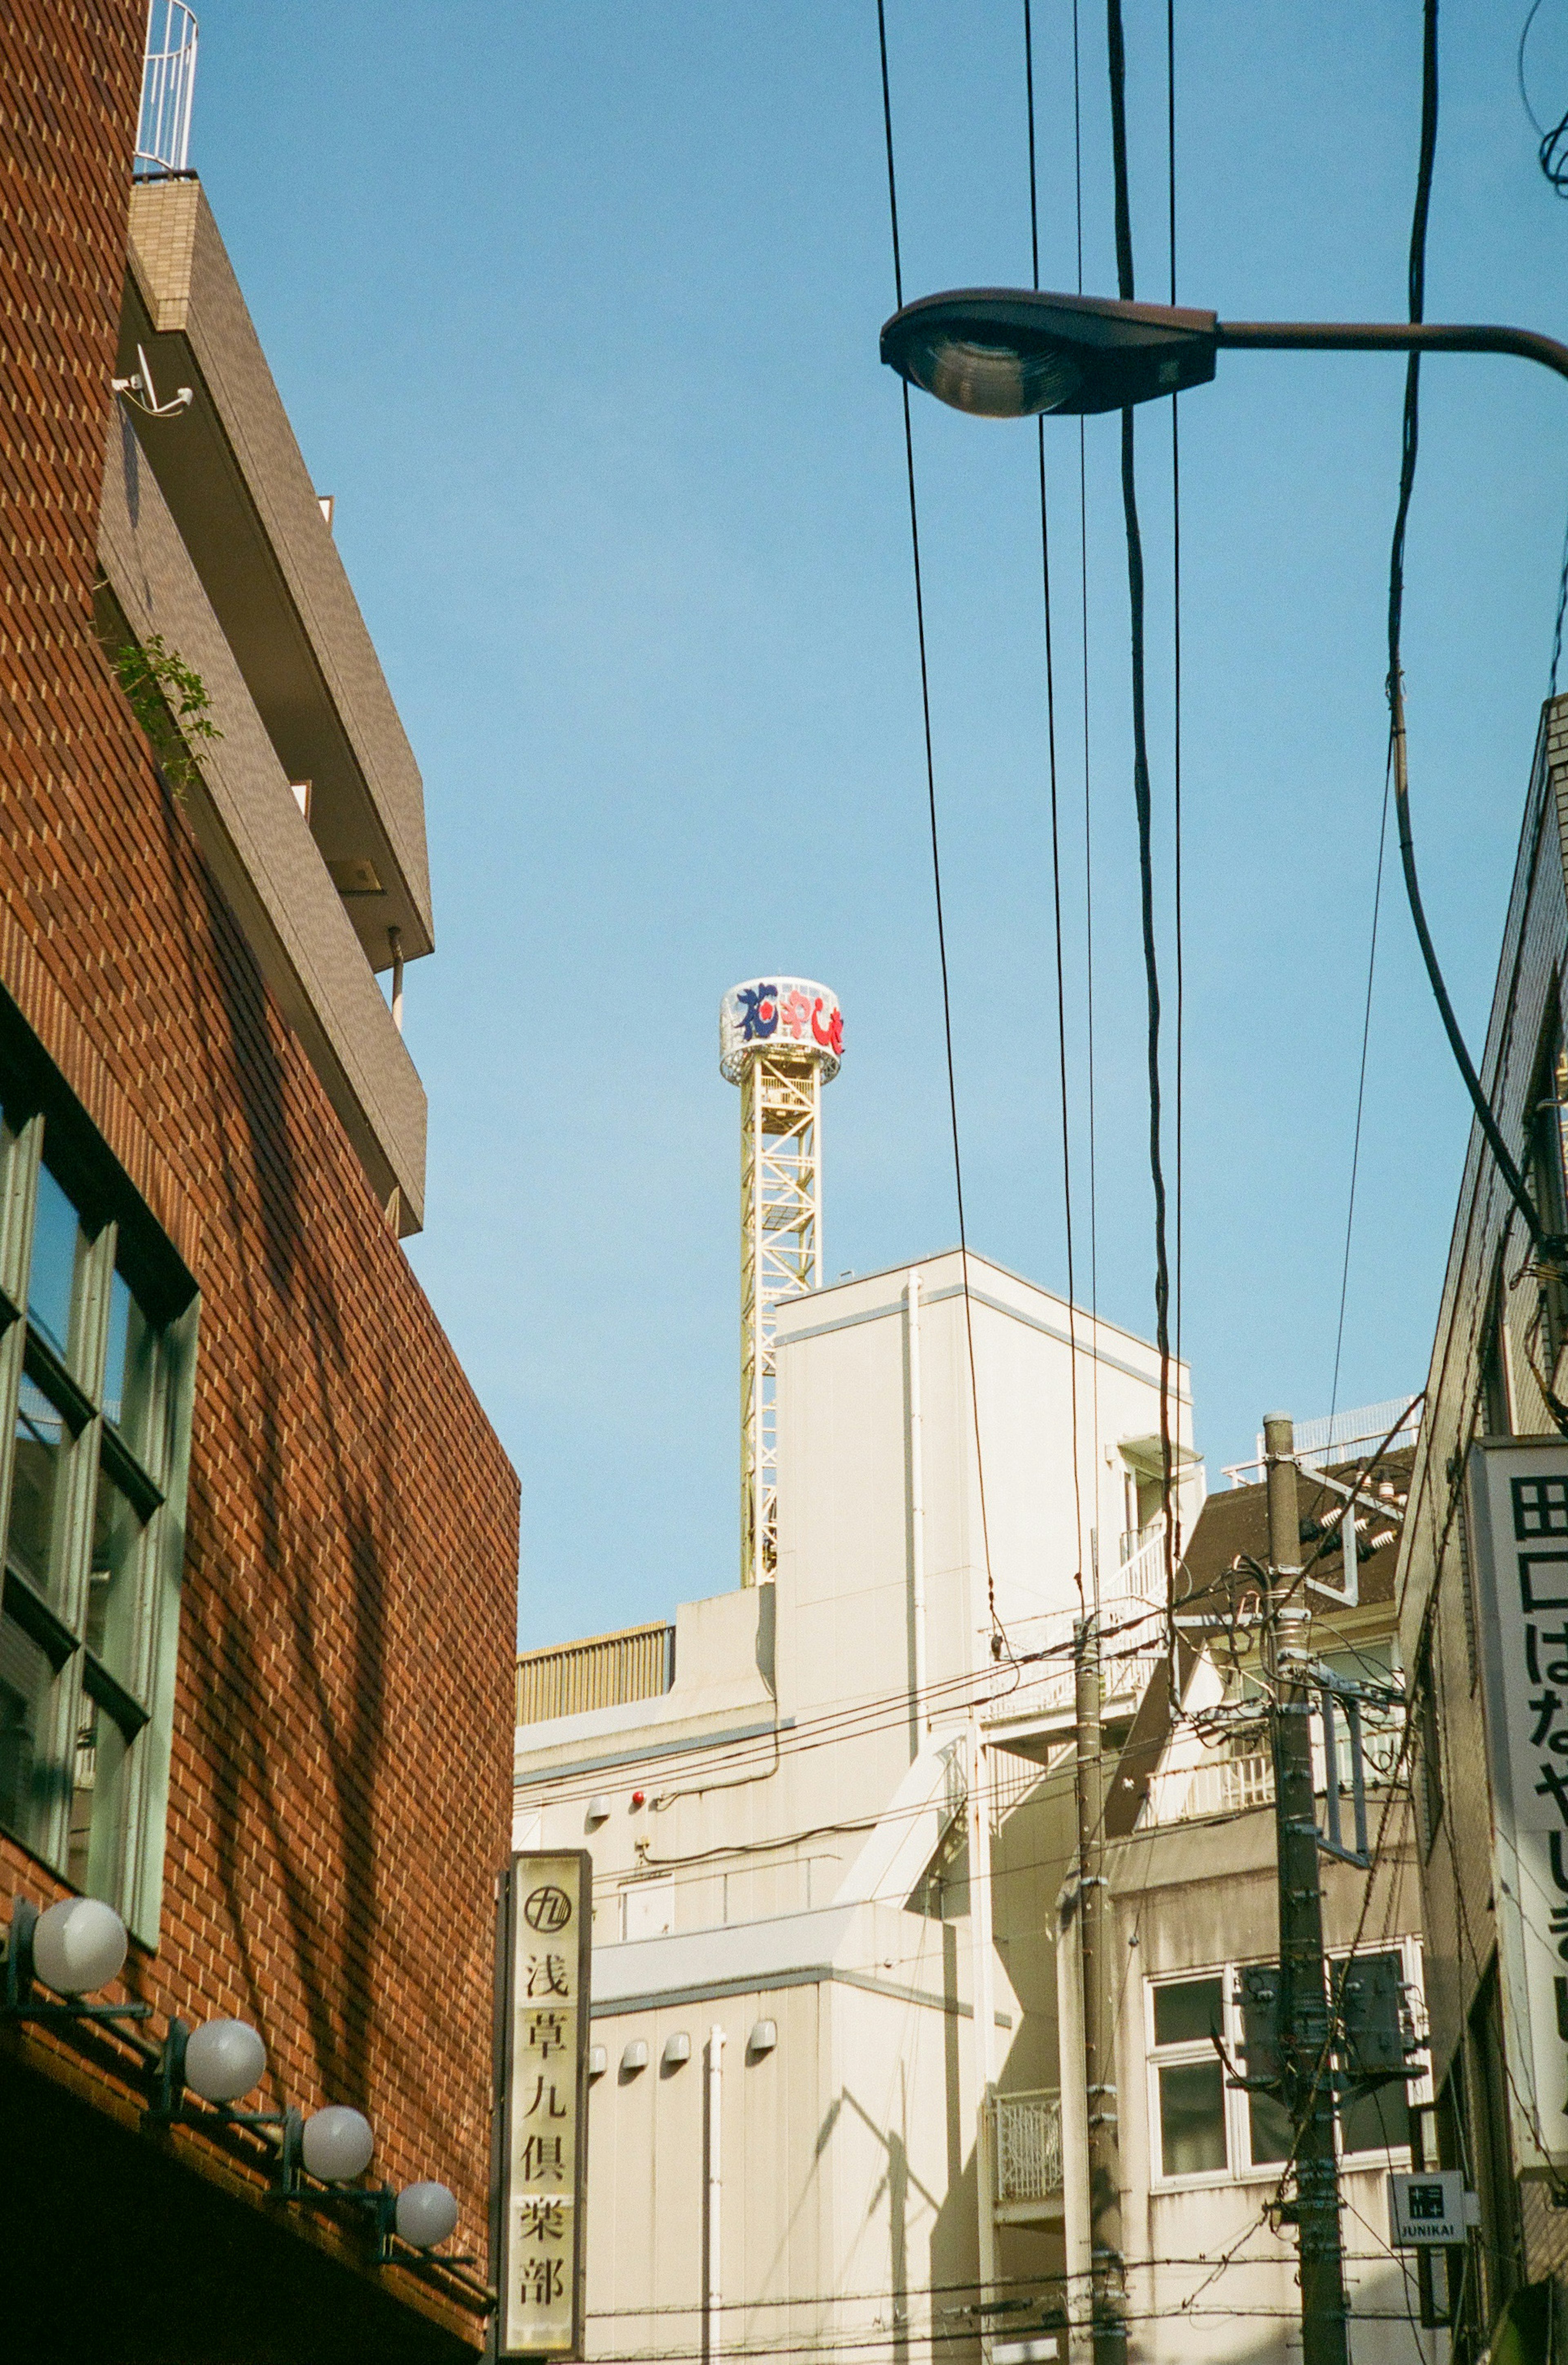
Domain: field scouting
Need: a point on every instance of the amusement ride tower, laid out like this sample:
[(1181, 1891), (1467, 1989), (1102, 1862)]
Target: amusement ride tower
[(781, 1039)]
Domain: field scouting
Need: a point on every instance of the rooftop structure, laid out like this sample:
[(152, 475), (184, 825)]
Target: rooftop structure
[(781, 1039)]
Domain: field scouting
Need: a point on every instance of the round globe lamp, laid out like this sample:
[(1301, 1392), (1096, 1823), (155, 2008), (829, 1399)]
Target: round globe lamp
[(337, 2143), (224, 2059), (78, 1946), (427, 2214)]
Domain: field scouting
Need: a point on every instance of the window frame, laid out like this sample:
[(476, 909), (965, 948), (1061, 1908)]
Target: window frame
[(1546, 1169), (116, 1233), (1241, 2167)]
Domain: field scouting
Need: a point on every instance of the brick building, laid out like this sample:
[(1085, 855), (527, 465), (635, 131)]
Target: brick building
[(259, 1593)]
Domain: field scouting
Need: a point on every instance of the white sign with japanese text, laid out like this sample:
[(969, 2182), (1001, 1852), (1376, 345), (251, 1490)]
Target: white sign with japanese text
[(1519, 1499), (544, 2089)]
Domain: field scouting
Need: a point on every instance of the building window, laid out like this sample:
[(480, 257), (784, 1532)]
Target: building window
[(1379, 2121), (1428, 1736), (1204, 2130), (1547, 1173), (97, 1320), (1188, 2077), (1494, 1398)]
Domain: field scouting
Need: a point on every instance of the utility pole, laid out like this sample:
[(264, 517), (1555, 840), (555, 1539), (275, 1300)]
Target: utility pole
[(1108, 2313), (1304, 2016)]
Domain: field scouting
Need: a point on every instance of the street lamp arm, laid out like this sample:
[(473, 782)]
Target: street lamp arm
[(1391, 337), (1008, 353)]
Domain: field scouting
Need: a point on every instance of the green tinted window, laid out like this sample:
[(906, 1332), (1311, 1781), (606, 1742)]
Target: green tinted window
[(1189, 2012), (39, 1472), (95, 1404), (1191, 2118), (1270, 2129), (54, 1275)]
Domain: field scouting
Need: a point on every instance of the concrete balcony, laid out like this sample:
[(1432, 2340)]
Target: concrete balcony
[(242, 499), (262, 851)]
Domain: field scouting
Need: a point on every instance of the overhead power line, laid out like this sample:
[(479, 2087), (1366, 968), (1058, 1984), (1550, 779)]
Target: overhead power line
[(1055, 835), (998, 1632), (1176, 665), (1142, 798), (1410, 441)]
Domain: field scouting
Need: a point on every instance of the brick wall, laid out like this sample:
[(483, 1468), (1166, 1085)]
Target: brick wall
[(340, 1791)]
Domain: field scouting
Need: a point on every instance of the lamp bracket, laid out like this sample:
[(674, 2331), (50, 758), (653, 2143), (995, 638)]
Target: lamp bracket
[(20, 1998)]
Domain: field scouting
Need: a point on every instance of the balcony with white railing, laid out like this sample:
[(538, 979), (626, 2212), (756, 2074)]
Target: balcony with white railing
[(1206, 1782), (1217, 1786), (1040, 1687), (168, 88), (1027, 2135)]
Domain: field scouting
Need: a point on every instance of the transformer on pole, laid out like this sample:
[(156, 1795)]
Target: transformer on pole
[(781, 1039)]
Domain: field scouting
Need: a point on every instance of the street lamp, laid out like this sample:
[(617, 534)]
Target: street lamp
[(1014, 352), (1011, 353)]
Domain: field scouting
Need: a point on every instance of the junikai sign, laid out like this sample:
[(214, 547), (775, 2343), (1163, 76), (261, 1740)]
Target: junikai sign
[(544, 2027)]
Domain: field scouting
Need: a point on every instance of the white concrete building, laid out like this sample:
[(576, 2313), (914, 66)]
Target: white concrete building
[(1211, 2281), (785, 2144)]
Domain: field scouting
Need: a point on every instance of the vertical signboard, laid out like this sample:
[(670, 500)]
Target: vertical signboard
[(1519, 1497), (543, 2023)]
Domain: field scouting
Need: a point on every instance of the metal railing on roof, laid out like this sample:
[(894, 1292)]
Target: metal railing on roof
[(1338, 1436), (168, 86), (605, 1671)]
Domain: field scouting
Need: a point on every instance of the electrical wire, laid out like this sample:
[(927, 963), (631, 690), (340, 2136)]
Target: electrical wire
[(859, 1720), (1055, 832), (998, 1632), (1553, 152), (1088, 810), (1557, 626), (1141, 793), (1513, 1180), (1360, 1086), (1176, 670)]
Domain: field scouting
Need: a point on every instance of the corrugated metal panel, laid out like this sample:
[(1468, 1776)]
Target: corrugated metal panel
[(602, 1672)]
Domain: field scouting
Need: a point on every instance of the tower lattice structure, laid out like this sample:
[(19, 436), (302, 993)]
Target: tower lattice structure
[(780, 1041)]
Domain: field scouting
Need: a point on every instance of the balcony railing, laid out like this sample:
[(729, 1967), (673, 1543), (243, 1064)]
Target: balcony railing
[(168, 86), (1028, 2148), (1131, 1629), (1220, 1786), (1228, 1785), (606, 1671)]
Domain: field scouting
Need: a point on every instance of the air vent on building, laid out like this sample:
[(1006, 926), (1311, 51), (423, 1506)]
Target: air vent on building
[(355, 876)]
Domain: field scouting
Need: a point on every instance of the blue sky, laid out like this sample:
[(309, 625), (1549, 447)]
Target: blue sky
[(575, 308)]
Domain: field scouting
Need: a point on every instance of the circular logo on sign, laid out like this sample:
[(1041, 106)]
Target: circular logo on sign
[(547, 1909)]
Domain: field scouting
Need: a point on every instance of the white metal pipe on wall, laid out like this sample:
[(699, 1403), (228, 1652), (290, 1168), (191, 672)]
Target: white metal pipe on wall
[(983, 1973), (712, 2286), (916, 1513), (1074, 2130)]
